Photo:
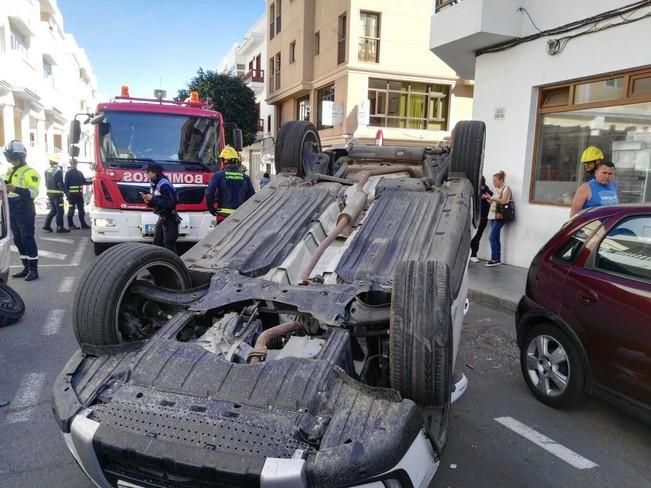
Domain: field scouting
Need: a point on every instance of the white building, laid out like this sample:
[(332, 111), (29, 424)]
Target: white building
[(45, 79), (551, 78), (245, 59)]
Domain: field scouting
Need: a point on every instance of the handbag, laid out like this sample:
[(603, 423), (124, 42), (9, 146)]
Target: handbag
[(507, 211)]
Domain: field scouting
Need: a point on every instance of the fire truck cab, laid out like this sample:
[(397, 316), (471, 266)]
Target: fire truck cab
[(130, 133)]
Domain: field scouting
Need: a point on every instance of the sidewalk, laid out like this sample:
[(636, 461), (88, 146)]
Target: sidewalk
[(500, 287)]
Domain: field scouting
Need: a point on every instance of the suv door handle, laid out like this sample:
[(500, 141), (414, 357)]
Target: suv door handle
[(588, 297)]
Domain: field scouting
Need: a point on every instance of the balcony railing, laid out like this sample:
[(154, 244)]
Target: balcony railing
[(255, 75), (439, 4)]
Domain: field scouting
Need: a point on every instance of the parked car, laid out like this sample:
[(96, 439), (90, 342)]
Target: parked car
[(12, 307), (584, 323)]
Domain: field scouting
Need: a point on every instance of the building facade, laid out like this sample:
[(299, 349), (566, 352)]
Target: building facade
[(246, 59), (353, 67), (45, 79), (551, 79)]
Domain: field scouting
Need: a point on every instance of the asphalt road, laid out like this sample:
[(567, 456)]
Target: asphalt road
[(481, 452)]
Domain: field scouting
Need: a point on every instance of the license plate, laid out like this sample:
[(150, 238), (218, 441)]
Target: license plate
[(148, 229)]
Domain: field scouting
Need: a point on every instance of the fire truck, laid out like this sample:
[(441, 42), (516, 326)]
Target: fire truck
[(185, 137)]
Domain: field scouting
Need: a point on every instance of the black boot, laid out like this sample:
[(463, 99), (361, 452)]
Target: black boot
[(47, 228), (62, 230), (32, 272), (23, 273)]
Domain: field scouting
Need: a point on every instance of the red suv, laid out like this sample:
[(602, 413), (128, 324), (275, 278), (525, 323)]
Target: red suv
[(584, 323)]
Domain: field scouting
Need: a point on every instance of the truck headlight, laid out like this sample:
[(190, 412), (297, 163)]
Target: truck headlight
[(105, 223)]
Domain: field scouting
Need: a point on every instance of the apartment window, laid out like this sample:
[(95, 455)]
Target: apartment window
[(19, 42), (272, 21), (292, 52), (612, 113), (408, 104), (277, 70), (317, 43), (369, 41), (341, 39), (325, 94), (3, 47), (439, 4), (279, 11), (303, 108), (272, 77), (47, 70), (269, 123), (240, 69)]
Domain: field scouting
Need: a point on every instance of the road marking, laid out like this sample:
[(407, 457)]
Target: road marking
[(549, 445), (46, 254), (53, 322), (79, 253), (23, 406), (67, 284), (57, 239)]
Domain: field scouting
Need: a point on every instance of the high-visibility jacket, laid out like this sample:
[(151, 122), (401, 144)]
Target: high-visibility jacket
[(228, 189), (26, 180), (54, 180), (75, 181)]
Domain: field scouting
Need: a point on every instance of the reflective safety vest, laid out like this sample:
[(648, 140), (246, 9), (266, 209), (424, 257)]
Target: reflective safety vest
[(51, 183), (234, 175), (23, 177)]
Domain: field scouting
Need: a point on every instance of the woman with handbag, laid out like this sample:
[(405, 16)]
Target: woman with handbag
[(501, 198)]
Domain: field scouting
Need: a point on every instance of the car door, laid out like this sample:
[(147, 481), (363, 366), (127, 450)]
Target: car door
[(609, 296)]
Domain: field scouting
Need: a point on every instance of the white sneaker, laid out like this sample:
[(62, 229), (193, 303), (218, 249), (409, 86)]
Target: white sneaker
[(474, 259)]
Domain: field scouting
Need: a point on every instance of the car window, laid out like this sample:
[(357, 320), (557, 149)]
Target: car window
[(626, 249), (570, 249)]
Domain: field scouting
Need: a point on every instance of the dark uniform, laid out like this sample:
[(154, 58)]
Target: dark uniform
[(55, 188), (74, 188), (228, 190), (163, 202)]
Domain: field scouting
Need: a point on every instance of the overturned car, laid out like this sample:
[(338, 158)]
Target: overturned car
[(309, 340)]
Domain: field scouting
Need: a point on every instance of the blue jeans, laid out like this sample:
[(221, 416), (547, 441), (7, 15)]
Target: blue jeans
[(494, 238)]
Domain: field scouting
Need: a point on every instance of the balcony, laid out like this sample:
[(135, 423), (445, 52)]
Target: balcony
[(461, 27), (254, 76)]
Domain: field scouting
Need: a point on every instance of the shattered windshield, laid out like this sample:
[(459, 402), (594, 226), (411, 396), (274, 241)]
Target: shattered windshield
[(133, 136)]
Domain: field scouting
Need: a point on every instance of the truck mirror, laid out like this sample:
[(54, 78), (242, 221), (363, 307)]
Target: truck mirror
[(73, 150), (237, 139), (75, 131)]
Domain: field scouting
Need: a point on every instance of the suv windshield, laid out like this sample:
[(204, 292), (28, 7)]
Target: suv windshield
[(133, 136)]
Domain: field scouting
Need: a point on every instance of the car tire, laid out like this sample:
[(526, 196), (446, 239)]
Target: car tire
[(420, 341), (100, 247), (467, 157), (102, 298), (547, 356), (298, 149), (12, 307)]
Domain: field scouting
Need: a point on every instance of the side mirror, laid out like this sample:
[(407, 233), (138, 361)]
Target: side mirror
[(73, 150), (75, 131), (237, 140)]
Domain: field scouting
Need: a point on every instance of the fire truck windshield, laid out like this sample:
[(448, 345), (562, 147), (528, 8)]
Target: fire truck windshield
[(134, 137)]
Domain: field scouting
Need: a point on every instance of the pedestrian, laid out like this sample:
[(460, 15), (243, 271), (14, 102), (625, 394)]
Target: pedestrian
[(55, 188), (22, 184), (501, 196), (229, 188), (74, 188), (590, 158), (264, 180), (601, 190), (162, 198), (484, 193)]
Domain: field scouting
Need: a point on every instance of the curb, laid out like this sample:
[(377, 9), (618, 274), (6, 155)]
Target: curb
[(498, 303)]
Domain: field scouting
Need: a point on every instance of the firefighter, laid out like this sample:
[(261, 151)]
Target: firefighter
[(22, 186), (162, 198), (591, 158), (230, 188), (74, 188), (55, 187)]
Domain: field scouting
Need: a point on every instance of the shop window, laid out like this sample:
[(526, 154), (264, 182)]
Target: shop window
[(612, 114), (326, 94), (369, 41), (408, 105), (303, 108), (341, 39)]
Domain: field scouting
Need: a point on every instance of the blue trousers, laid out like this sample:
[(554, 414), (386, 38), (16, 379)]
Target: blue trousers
[(494, 238), (22, 227)]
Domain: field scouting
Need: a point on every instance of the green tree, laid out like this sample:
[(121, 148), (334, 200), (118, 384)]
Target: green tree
[(230, 96)]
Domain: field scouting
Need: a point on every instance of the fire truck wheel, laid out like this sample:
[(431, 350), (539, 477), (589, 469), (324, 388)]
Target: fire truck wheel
[(467, 156), (420, 345), (12, 306), (106, 311), (298, 149)]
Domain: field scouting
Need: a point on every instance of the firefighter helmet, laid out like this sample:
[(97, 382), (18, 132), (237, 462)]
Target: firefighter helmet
[(591, 154), (229, 153)]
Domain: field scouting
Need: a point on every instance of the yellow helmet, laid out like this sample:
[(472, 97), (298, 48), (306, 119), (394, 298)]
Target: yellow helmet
[(53, 158), (591, 153), (229, 153)]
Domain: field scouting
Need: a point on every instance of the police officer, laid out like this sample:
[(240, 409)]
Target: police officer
[(230, 188), (74, 188), (55, 187), (162, 198), (22, 186)]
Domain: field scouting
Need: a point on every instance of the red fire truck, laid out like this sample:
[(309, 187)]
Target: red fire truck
[(130, 133)]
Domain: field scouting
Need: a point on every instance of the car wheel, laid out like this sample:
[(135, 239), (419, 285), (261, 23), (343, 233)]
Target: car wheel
[(467, 156), (100, 247), (552, 367), (12, 307), (420, 344), (298, 149), (105, 311)]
